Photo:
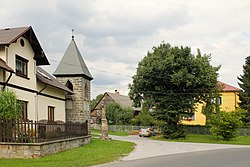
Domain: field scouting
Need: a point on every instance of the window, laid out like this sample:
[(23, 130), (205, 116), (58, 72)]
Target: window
[(22, 42), (190, 118), (21, 66), (51, 113), (217, 100), (24, 110), (220, 100), (86, 91), (69, 85)]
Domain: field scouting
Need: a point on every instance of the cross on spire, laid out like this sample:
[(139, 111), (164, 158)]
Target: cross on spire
[(73, 34)]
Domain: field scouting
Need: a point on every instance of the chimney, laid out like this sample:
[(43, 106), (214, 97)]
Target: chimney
[(116, 92)]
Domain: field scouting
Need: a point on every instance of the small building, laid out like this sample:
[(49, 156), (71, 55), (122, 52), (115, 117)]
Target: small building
[(74, 74), (122, 100)]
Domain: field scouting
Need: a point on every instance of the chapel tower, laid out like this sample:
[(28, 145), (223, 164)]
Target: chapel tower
[(73, 73)]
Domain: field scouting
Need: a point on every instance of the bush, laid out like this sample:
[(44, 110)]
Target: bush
[(225, 124), (171, 132), (10, 107), (117, 115)]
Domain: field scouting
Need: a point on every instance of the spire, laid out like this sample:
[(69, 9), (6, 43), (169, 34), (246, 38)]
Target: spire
[(72, 63)]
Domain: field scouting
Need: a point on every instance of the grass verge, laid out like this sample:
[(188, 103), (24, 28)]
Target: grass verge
[(111, 132), (96, 152), (194, 138)]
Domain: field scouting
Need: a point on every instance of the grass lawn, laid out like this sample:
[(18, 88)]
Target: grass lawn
[(110, 132), (96, 152), (241, 140)]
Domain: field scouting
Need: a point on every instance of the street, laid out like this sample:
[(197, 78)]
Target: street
[(178, 154), (236, 157)]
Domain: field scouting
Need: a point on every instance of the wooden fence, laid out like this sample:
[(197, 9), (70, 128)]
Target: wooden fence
[(29, 131)]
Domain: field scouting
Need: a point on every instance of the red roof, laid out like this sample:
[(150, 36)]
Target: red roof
[(227, 87)]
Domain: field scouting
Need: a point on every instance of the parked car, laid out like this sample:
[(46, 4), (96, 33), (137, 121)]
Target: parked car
[(146, 132)]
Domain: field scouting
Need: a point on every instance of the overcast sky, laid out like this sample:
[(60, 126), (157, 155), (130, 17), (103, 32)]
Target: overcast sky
[(114, 35)]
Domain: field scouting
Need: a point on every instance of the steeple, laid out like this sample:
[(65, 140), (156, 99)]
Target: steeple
[(72, 63)]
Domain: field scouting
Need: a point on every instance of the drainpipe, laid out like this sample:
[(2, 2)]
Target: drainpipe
[(45, 86), (5, 84)]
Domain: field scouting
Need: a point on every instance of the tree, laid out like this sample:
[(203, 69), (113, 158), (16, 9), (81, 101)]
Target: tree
[(117, 115), (93, 102), (10, 106), (226, 124), (145, 118), (173, 80), (244, 96)]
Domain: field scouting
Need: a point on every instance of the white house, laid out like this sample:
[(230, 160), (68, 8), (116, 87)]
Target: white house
[(21, 56)]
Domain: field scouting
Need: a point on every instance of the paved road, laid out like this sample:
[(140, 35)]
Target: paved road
[(233, 157), (146, 149)]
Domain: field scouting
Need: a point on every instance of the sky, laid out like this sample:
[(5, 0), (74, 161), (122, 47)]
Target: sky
[(113, 36)]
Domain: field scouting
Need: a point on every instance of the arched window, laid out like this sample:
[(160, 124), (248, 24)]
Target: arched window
[(69, 85)]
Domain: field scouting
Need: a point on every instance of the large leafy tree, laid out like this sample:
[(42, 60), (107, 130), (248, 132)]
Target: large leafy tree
[(244, 84), (173, 80)]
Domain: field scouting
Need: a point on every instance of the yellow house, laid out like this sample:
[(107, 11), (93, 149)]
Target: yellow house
[(229, 99)]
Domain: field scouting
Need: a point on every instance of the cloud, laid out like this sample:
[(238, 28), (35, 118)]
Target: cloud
[(114, 35)]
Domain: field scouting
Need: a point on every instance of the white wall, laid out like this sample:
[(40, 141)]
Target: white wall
[(27, 53), (28, 97), (1, 75), (44, 102), (37, 105)]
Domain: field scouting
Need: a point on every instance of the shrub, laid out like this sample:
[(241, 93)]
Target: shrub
[(170, 132), (225, 124), (10, 107), (117, 115)]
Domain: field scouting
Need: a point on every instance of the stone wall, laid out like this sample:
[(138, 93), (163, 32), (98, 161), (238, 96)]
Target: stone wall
[(36, 150), (78, 104)]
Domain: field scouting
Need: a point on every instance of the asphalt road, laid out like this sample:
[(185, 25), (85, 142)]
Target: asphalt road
[(152, 153), (236, 157), (146, 148)]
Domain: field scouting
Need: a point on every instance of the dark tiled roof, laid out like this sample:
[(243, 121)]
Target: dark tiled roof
[(72, 63), (10, 35), (4, 66), (48, 79), (228, 88), (122, 100)]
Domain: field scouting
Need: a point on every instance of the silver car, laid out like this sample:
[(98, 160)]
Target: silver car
[(146, 132)]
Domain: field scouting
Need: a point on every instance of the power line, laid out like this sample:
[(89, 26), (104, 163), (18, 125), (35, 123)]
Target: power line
[(92, 68)]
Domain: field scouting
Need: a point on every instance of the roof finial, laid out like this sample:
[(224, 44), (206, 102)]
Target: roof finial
[(73, 34)]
